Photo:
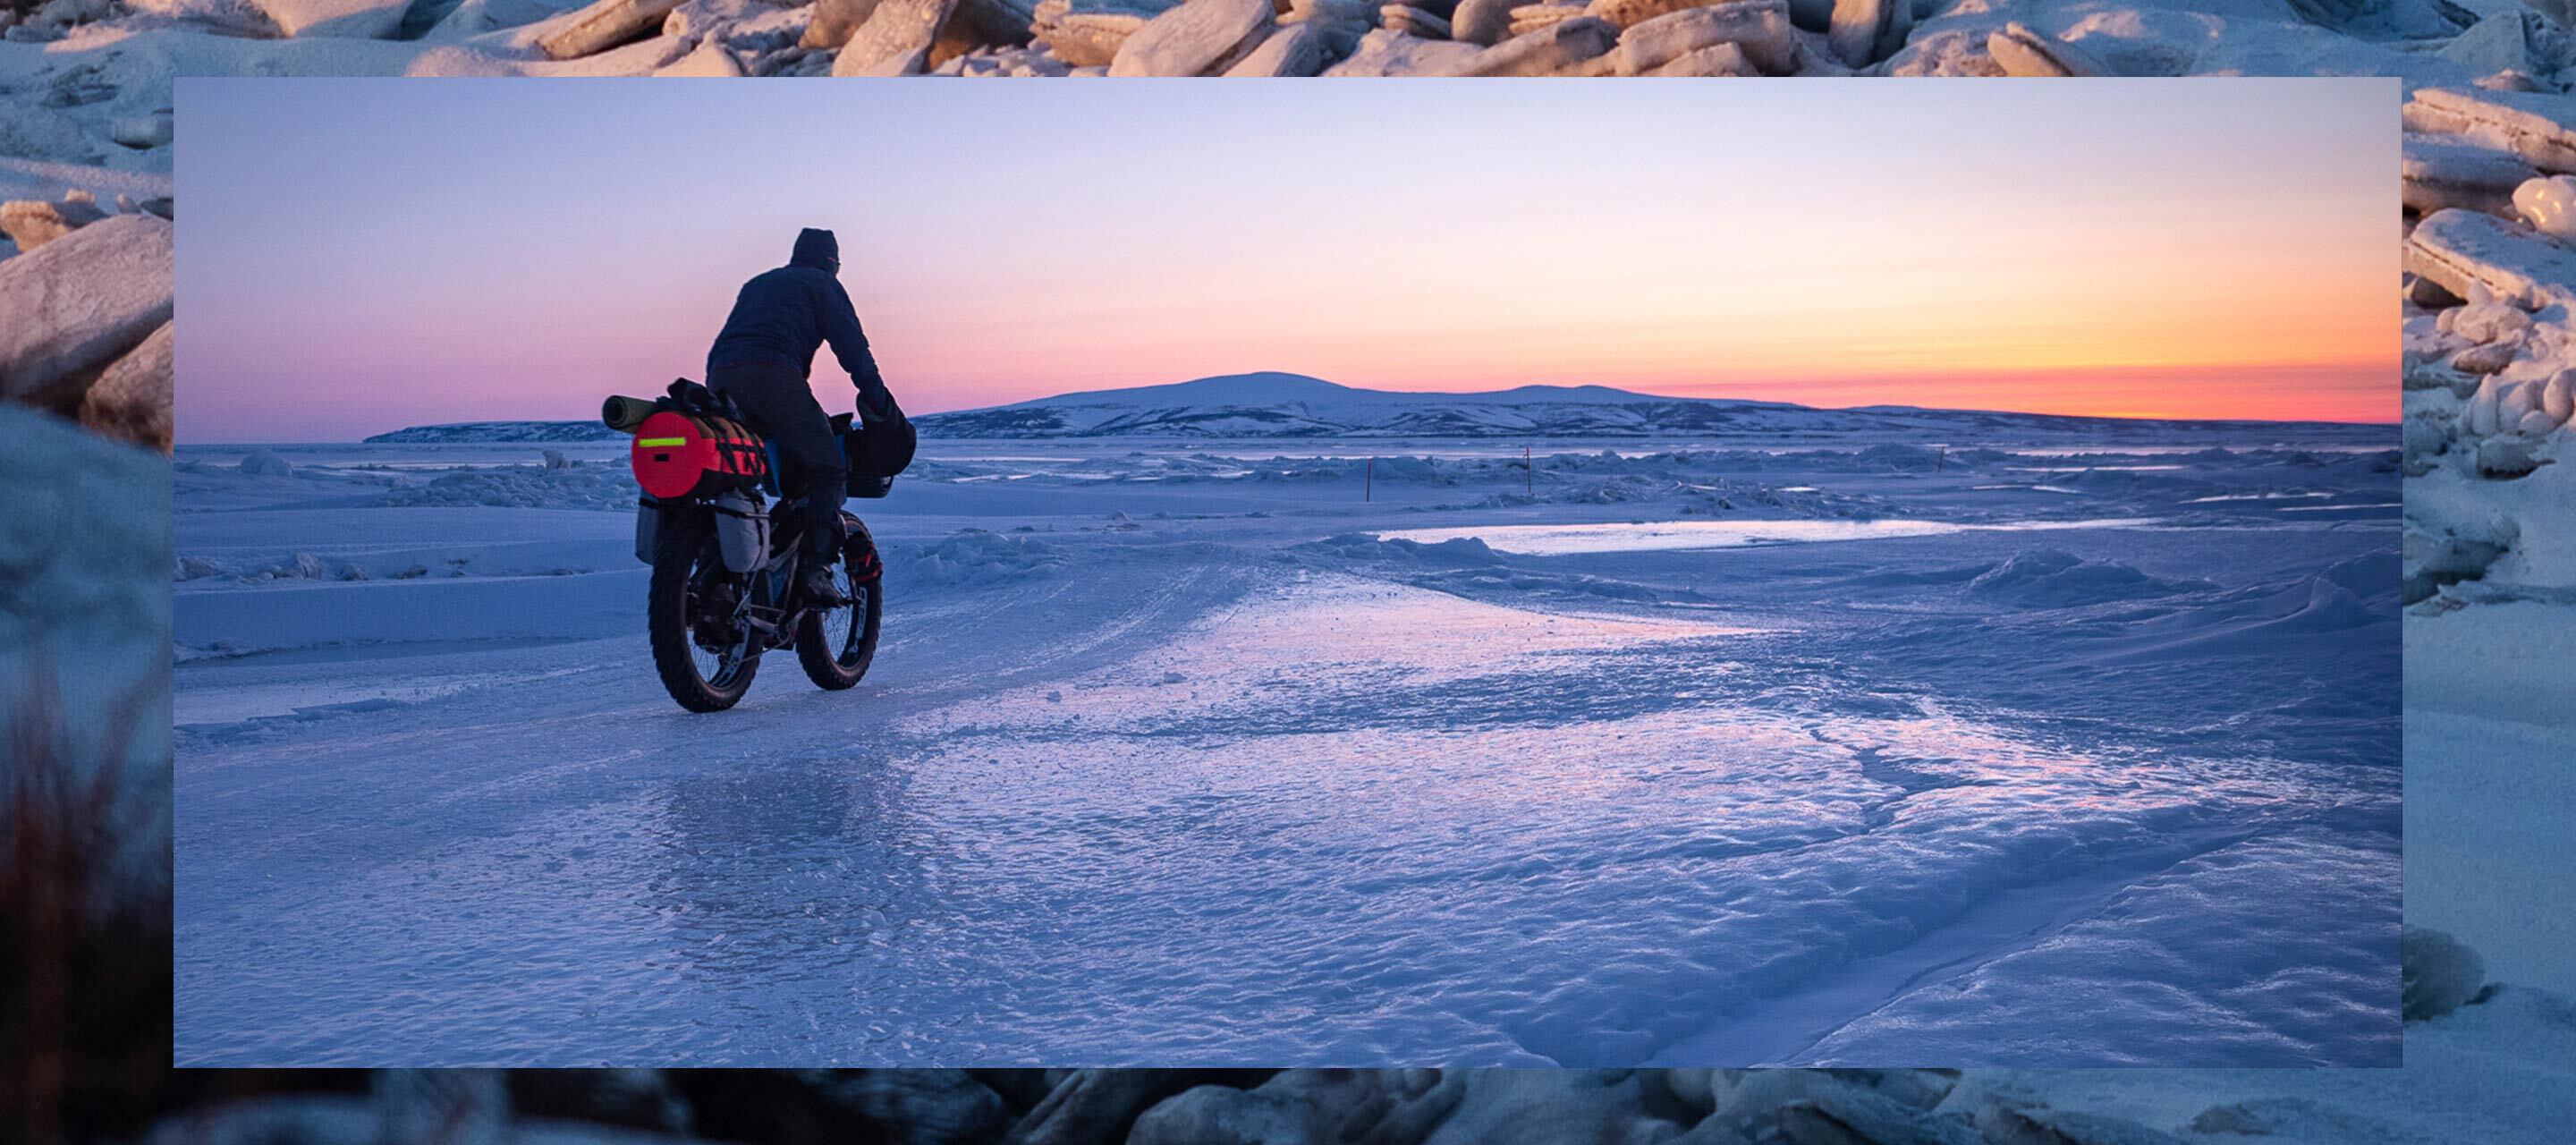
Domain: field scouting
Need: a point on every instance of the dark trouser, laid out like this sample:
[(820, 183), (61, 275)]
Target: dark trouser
[(813, 475)]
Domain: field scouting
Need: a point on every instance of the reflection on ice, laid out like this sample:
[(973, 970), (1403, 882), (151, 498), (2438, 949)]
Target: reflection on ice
[(1630, 536)]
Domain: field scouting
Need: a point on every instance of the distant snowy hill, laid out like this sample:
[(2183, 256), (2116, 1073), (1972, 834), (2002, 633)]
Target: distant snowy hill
[(1296, 406), (490, 431)]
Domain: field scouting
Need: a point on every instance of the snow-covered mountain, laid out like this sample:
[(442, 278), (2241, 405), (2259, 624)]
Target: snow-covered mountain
[(502, 431), (1282, 405), (1294, 405)]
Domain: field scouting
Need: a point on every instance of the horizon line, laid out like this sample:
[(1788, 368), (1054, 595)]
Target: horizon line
[(2393, 420)]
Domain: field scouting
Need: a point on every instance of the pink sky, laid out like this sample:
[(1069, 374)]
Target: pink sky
[(2148, 249)]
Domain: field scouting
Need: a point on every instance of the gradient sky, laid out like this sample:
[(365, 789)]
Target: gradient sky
[(360, 255)]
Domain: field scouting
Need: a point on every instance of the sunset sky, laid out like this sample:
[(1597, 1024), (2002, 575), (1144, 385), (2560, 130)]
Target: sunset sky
[(2217, 248)]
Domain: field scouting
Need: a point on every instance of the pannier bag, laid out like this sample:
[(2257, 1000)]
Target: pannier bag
[(696, 455), (648, 528), (742, 531), (877, 450)]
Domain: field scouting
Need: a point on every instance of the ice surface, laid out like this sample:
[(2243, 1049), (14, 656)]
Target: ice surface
[(1192, 751)]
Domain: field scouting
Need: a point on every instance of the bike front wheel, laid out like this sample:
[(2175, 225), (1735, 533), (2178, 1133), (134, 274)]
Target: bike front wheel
[(836, 646)]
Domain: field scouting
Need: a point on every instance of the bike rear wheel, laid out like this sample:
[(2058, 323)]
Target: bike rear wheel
[(701, 677), (836, 646)]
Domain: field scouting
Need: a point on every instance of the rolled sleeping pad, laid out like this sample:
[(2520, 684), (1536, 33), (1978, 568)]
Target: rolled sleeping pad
[(624, 414)]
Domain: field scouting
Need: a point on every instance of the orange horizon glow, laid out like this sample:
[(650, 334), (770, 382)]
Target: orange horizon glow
[(2120, 248)]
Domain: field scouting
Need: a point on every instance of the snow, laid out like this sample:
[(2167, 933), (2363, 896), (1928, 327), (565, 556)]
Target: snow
[(1218, 750), (1297, 406)]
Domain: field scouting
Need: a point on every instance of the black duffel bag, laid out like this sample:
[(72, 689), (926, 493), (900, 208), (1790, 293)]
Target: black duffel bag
[(877, 449)]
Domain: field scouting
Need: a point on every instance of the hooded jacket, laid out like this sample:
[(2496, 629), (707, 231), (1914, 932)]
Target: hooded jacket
[(782, 316)]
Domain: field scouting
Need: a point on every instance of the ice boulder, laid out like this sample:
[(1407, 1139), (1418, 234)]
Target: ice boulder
[(132, 400), (2440, 973), (1201, 37), (266, 464), (1759, 29), (896, 40), (2459, 250), (1866, 31), (2539, 127), (79, 303), (1552, 50), (2019, 51), (605, 25), (347, 19), (2439, 171), (2549, 205), (1295, 50)]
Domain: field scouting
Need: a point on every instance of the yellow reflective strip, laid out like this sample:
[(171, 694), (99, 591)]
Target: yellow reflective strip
[(651, 442)]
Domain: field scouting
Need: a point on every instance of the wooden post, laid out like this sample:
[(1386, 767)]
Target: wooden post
[(1529, 474), (1368, 480)]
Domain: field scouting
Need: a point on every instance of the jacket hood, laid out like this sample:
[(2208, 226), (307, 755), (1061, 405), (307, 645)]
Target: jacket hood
[(816, 248)]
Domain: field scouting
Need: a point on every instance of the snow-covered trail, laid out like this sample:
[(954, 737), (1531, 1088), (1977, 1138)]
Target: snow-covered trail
[(1249, 788)]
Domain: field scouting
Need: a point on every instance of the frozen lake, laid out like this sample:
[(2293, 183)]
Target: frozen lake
[(1200, 754)]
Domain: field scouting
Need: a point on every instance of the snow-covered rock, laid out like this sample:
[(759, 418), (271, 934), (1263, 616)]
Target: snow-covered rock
[(78, 303)]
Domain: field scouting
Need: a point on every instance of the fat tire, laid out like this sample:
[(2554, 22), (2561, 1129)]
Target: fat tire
[(675, 557), (832, 672)]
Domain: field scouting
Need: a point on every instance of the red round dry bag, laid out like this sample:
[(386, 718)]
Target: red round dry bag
[(679, 455)]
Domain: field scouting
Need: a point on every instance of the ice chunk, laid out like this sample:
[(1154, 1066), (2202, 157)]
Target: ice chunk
[(896, 39), (1482, 22), (1413, 21), (1550, 50), (2541, 128), (1630, 13), (2439, 171), (2441, 974), (1200, 37), (132, 399), (266, 464), (347, 19), (78, 303), (1383, 52), (1294, 50), (605, 25), (2458, 249), (2549, 205), (2023, 52), (1757, 28), (1866, 31), (835, 20), (1088, 33)]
